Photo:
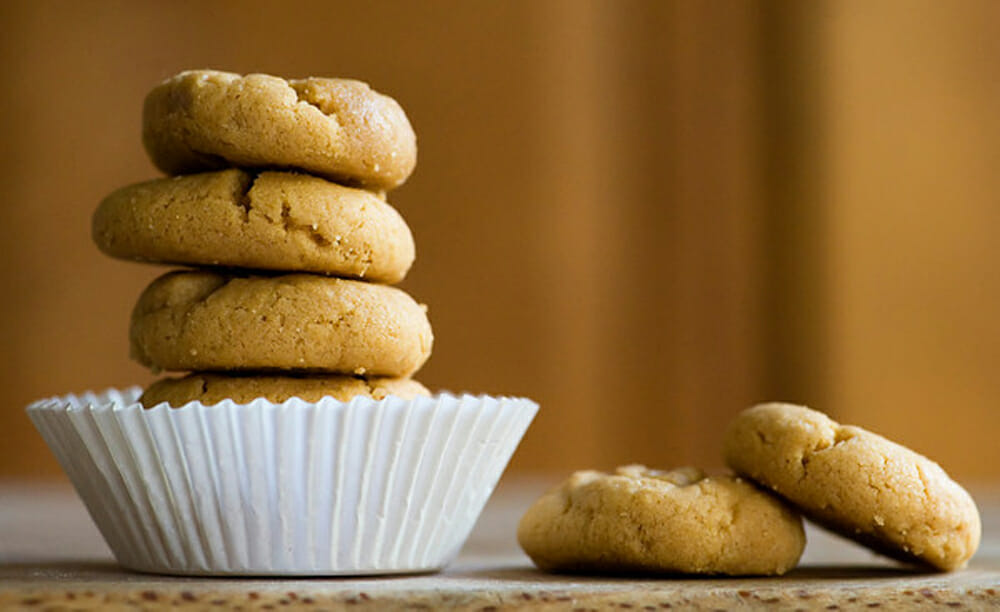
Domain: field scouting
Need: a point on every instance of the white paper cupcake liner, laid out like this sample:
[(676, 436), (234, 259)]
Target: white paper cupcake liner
[(325, 488)]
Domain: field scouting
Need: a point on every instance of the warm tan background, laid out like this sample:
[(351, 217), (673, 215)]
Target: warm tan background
[(645, 215)]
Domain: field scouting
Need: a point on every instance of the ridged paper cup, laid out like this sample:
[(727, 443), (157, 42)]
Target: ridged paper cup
[(327, 488)]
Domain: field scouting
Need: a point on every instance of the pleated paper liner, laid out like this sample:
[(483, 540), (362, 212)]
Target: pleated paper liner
[(364, 487)]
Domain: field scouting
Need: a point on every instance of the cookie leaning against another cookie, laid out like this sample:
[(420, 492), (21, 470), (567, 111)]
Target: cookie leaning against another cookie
[(857, 483), (336, 128), (214, 388), (641, 520), (204, 321), (271, 221)]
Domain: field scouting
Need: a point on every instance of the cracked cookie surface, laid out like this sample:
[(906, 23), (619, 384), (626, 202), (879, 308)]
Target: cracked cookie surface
[(340, 129), (271, 221), (207, 321), (857, 483), (214, 388), (648, 521)]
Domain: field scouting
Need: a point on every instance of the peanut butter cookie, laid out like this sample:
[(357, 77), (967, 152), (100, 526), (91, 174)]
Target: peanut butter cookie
[(214, 388), (641, 520), (337, 128), (271, 221), (857, 483), (205, 321)]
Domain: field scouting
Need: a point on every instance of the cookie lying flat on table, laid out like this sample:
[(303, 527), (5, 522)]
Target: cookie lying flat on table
[(337, 128), (205, 321), (857, 483), (271, 221), (641, 520), (214, 388)]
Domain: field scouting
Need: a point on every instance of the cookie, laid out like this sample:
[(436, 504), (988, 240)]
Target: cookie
[(336, 128), (648, 521), (857, 483), (270, 221), (214, 388), (206, 321)]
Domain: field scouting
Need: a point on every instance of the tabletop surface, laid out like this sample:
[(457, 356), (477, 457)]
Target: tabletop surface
[(52, 557)]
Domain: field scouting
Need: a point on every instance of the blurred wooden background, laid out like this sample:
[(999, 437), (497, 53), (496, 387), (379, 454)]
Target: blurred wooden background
[(645, 215)]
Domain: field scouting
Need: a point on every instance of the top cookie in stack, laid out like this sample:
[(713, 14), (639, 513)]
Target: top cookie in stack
[(278, 198)]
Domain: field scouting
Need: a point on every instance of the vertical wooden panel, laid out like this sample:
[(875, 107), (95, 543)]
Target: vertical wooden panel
[(64, 324), (691, 325), (914, 145), (795, 207), (647, 160), (573, 160)]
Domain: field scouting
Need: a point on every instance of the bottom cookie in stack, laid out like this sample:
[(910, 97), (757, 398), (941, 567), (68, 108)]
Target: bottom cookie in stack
[(211, 388)]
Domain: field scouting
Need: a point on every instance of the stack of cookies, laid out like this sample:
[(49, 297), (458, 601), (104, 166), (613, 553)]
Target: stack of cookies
[(277, 201), (298, 444)]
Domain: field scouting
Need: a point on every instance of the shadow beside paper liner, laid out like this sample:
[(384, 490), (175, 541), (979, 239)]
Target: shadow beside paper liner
[(802, 572)]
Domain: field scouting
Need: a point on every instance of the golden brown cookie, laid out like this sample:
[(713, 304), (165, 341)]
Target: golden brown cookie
[(641, 520), (337, 128), (857, 483), (214, 388), (271, 221), (205, 321)]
